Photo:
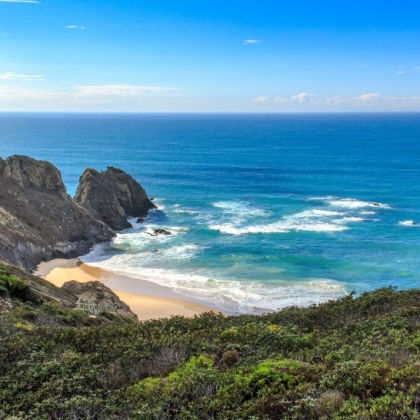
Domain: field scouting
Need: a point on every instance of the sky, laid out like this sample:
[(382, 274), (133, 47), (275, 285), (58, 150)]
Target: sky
[(218, 56)]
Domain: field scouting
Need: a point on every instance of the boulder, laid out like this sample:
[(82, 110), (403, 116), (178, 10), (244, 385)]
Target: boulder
[(111, 196), (95, 291), (159, 231), (38, 219)]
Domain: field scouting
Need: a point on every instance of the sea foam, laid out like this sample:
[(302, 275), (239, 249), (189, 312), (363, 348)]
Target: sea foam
[(410, 223), (353, 203), (315, 220), (228, 295)]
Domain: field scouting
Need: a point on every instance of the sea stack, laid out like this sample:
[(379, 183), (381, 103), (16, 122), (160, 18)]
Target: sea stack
[(38, 219), (111, 196)]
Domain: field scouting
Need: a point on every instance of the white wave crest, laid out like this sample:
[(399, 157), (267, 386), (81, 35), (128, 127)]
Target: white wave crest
[(411, 223), (315, 220), (327, 213), (279, 227), (242, 209), (352, 203), (345, 220)]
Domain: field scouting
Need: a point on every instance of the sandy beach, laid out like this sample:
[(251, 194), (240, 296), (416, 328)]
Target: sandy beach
[(146, 299)]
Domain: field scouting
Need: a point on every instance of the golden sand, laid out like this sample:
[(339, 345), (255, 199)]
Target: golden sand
[(147, 300)]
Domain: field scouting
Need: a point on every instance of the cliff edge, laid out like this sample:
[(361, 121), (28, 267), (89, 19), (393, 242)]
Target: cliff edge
[(38, 219)]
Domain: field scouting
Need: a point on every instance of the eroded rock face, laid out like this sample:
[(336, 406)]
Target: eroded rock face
[(95, 291), (111, 196), (38, 219), (31, 173)]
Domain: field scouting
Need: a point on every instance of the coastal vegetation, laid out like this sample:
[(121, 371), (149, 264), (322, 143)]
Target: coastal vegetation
[(353, 358)]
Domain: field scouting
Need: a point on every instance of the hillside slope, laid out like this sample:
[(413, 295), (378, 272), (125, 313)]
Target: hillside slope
[(354, 358)]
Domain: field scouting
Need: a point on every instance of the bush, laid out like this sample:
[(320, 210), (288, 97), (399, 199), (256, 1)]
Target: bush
[(354, 358), (12, 286)]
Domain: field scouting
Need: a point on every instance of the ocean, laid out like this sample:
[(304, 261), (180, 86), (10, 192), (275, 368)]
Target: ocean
[(265, 210)]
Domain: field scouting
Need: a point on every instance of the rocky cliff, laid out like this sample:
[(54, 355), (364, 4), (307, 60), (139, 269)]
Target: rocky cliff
[(111, 196), (38, 219)]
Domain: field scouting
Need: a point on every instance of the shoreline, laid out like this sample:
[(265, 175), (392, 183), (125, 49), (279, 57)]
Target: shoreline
[(146, 299)]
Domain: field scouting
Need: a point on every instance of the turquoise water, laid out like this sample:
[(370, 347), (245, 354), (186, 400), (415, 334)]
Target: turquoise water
[(266, 211)]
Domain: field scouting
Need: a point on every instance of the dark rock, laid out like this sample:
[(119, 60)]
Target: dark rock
[(140, 220), (38, 219), (99, 293), (159, 231), (111, 196), (31, 173)]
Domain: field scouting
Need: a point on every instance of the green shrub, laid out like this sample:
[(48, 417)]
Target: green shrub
[(230, 358), (12, 285)]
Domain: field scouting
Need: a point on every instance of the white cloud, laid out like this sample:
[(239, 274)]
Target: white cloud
[(302, 97), (366, 101), (14, 76), (121, 90), (402, 72), (368, 96), (19, 1), (252, 41), (298, 98), (416, 68), (262, 99), (73, 26)]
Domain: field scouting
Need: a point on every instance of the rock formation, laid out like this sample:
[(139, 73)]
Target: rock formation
[(38, 219), (95, 291), (111, 196)]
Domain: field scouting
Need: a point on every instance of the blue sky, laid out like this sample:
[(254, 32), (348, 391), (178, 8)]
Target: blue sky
[(259, 56)]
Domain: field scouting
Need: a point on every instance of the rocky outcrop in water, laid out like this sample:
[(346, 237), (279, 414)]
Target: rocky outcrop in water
[(38, 219), (95, 291), (111, 196)]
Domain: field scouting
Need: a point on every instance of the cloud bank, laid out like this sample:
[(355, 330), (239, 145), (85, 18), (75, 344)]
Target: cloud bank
[(140, 98), (367, 101)]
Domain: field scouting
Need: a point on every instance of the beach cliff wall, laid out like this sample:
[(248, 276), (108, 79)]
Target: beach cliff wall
[(39, 221)]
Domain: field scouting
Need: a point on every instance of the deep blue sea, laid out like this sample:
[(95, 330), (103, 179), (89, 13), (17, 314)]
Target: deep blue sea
[(266, 211)]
